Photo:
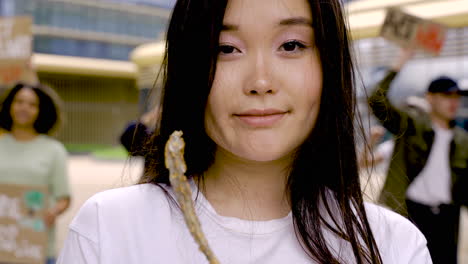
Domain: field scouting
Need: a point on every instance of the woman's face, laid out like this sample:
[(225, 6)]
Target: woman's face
[(25, 108), (266, 94)]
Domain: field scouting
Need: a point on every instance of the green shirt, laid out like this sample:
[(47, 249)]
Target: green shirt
[(41, 161)]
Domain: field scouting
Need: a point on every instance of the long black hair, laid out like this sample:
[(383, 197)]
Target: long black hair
[(48, 118), (324, 174)]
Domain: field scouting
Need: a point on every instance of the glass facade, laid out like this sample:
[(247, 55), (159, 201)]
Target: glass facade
[(158, 3), (83, 19), (81, 48)]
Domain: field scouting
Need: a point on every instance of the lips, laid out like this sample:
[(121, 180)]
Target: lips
[(22, 115), (261, 117)]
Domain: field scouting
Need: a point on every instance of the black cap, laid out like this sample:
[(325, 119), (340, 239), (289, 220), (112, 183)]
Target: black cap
[(444, 84)]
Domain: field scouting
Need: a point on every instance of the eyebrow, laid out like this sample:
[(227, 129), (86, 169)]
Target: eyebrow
[(293, 21), (230, 27)]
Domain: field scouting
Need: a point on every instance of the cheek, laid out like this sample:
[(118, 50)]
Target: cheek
[(312, 106), (210, 122), (455, 103), (225, 92), (217, 111), (14, 109), (35, 112), (314, 94), (309, 90), (442, 105)]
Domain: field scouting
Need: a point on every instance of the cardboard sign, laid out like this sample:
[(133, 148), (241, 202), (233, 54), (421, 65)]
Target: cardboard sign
[(12, 72), (23, 234), (411, 31), (15, 49), (15, 38)]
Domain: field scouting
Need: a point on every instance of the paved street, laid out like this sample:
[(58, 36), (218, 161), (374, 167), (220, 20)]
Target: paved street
[(88, 176)]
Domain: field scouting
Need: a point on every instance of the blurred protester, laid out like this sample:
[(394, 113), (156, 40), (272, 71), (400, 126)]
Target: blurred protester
[(28, 155), (373, 161), (136, 133), (367, 157), (381, 148), (428, 175), (383, 154)]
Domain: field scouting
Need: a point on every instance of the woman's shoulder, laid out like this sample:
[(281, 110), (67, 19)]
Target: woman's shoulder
[(135, 197), (138, 193), (387, 223), (396, 237), (117, 208), (380, 214), (3, 134), (51, 143)]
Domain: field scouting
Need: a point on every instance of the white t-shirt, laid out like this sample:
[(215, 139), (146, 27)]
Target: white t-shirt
[(432, 186), (41, 161), (140, 225)]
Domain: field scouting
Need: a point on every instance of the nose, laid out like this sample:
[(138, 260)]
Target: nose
[(260, 79), (260, 87)]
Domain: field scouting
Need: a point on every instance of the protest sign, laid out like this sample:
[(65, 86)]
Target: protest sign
[(411, 31), (23, 234), (15, 48)]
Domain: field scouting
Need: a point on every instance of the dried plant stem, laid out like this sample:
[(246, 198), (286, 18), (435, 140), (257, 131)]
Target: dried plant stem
[(174, 158)]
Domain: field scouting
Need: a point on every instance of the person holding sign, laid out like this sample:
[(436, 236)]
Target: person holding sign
[(263, 94), (28, 156), (428, 175)]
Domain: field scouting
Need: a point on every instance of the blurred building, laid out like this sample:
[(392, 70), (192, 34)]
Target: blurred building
[(82, 48), (96, 29)]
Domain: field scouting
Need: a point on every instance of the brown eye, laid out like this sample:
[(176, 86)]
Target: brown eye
[(226, 49), (292, 46)]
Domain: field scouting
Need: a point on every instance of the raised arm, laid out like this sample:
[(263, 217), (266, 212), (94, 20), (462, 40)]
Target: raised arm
[(60, 186), (389, 116)]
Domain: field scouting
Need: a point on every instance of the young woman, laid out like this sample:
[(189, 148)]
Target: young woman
[(263, 92), (28, 156)]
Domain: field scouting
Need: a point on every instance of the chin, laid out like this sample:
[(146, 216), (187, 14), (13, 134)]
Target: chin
[(272, 149), (450, 117), (264, 154), (24, 124)]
